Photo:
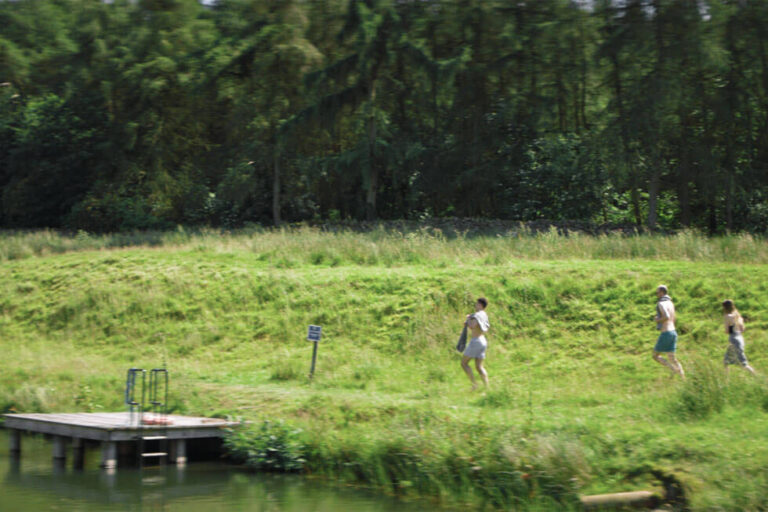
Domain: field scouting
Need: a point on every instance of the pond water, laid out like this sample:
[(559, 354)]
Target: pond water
[(34, 483)]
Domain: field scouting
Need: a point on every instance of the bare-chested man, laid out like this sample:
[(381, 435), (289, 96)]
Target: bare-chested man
[(667, 341)]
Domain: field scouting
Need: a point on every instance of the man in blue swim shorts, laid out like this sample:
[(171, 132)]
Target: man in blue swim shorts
[(667, 341)]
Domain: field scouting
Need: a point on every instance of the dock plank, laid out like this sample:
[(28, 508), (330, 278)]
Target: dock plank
[(114, 426)]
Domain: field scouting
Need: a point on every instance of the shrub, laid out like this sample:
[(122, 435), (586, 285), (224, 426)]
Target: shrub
[(113, 212), (288, 370), (272, 446)]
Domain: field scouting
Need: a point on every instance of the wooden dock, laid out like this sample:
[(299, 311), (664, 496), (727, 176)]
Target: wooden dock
[(111, 428)]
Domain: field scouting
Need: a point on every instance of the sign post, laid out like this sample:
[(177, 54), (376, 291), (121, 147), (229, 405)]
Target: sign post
[(314, 334)]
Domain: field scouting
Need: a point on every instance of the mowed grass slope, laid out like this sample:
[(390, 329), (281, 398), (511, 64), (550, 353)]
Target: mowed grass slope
[(576, 405)]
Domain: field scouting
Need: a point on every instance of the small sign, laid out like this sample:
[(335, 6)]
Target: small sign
[(314, 333)]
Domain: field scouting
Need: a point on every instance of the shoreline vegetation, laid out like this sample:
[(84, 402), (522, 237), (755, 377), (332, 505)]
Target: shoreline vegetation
[(576, 405), (397, 242)]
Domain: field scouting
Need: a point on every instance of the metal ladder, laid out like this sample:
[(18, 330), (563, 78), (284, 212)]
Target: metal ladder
[(158, 400), (134, 406), (157, 405)]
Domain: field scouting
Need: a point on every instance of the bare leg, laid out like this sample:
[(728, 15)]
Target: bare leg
[(481, 371), (661, 360), (678, 368), (468, 371)]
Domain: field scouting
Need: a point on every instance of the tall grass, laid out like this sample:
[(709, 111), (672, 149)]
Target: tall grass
[(704, 392), (267, 447), (297, 246)]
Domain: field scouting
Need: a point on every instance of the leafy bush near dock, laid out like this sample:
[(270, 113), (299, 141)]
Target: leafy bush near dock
[(576, 405), (271, 446)]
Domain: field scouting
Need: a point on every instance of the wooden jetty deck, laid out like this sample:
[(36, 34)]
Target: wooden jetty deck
[(110, 428)]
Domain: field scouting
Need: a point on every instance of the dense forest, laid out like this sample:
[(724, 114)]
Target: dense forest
[(144, 114)]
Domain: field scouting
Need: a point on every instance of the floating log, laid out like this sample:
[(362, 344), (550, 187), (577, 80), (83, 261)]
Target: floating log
[(636, 499)]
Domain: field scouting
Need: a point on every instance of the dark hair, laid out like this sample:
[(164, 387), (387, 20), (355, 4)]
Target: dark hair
[(483, 301), (663, 289), (730, 308)]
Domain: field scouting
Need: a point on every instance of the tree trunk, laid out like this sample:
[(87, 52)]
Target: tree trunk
[(635, 198), (373, 173), (276, 187), (561, 102), (617, 87), (729, 201), (732, 90), (653, 196), (712, 220), (370, 196), (583, 80), (657, 90), (685, 174), (684, 198)]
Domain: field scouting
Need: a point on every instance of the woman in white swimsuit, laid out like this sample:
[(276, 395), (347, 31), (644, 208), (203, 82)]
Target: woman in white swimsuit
[(478, 325), (734, 326)]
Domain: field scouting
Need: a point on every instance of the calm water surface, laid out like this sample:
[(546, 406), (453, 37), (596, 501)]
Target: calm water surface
[(34, 483)]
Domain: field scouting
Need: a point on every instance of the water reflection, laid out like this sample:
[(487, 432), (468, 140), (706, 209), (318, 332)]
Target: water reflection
[(35, 481)]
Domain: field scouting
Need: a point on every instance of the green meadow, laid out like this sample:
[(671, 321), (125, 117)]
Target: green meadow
[(575, 406)]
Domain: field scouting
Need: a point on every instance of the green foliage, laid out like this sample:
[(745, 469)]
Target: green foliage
[(557, 181), (153, 114), (757, 215), (51, 164), (85, 399), (576, 405), (488, 467), (114, 213), (271, 446)]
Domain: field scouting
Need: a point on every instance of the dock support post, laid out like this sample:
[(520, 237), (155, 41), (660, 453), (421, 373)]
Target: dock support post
[(15, 451), (179, 452), (14, 464), (107, 478), (78, 453), (59, 447), (109, 454), (15, 447)]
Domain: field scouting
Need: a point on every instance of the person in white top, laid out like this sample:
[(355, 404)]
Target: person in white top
[(478, 325), (734, 327), (667, 341)]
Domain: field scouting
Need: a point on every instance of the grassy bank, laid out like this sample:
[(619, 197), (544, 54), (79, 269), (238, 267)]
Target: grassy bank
[(576, 404)]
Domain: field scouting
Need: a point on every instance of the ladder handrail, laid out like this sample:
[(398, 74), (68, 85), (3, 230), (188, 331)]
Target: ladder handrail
[(157, 404), (130, 393), (154, 388), (158, 389)]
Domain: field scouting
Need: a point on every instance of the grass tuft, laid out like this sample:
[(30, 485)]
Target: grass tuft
[(703, 393)]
